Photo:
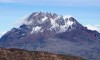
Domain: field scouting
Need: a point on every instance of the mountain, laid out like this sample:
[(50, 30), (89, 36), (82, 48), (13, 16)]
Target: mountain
[(18, 54), (54, 33)]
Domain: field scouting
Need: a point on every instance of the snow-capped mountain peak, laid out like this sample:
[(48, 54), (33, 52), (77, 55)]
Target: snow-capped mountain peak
[(40, 21)]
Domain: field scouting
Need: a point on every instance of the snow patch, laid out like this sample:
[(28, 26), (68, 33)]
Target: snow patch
[(60, 28), (36, 29), (64, 28), (69, 23), (36, 14), (23, 34), (43, 19), (53, 23)]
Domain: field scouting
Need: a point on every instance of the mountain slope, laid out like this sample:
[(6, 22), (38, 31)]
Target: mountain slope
[(54, 33), (17, 54)]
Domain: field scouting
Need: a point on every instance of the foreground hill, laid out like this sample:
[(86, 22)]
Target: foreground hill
[(17, 54)]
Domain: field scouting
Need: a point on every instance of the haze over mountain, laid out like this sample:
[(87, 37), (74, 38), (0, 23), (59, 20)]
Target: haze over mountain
[(54, 33)]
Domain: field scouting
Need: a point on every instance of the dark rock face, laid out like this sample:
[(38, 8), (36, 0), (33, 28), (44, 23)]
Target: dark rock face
[(54, 33), (18, 54)]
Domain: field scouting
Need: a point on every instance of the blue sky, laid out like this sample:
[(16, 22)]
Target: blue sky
[(87, 12)]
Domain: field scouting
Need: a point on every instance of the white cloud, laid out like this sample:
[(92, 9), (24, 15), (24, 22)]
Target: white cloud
[(94, 27), (2, 33), (22, 21), (67, 16)]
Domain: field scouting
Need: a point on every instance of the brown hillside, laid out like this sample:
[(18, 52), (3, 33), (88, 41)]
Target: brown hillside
[(17, 54)]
